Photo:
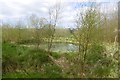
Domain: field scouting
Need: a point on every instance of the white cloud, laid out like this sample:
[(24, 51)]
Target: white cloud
[(43, 9), (108, 8), (15, 9)]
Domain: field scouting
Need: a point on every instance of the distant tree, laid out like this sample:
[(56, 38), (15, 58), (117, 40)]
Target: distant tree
[(19, 27), (110, 27), (6, 30)]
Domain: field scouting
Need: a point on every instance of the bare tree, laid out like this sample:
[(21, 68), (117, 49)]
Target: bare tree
[(54, 16), (38, 24)]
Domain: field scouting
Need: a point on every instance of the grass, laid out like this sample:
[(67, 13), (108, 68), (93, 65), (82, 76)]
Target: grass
[(19, 60), (24, 62)]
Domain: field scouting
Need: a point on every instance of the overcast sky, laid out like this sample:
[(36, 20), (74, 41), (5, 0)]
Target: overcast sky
[(13, 10)]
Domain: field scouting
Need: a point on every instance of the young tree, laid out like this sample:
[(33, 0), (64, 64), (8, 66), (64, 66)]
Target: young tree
[(54, 17), (38, 24), (88, 29)]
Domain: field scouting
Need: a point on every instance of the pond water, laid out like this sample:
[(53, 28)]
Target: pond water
[(59, 47)]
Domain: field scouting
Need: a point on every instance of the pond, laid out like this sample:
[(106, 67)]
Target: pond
[(58, 47)]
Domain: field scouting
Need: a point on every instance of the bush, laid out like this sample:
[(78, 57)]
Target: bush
[(95, 53), (98, 63)]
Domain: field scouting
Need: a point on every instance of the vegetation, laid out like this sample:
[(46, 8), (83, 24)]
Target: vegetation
[(96, 56)]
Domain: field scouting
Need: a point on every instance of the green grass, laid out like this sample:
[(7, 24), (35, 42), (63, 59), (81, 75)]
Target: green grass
[(23, 62), (18, 59), (56, 55)]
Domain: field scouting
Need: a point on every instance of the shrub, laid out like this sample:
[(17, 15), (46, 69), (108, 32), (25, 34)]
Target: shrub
[(95, 53), (98, 63)]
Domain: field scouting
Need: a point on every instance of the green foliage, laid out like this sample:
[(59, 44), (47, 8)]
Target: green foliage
[(50, 71), (15, 56), (15, 75), (11, 56), (53, 71), (72, 57), (55, 55), (36, 57), (99, 64), (16, 59), (95, 53), (95, 59), (36, 63)]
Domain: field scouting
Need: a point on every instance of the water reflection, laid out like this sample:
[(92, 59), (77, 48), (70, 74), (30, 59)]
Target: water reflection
[(64, 47), (59, 47)]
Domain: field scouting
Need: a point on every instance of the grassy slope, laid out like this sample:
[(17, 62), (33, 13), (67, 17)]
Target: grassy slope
[(23, 62), (20, 62)]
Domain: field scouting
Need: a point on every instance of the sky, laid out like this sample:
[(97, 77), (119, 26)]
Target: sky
[(13, 10)]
